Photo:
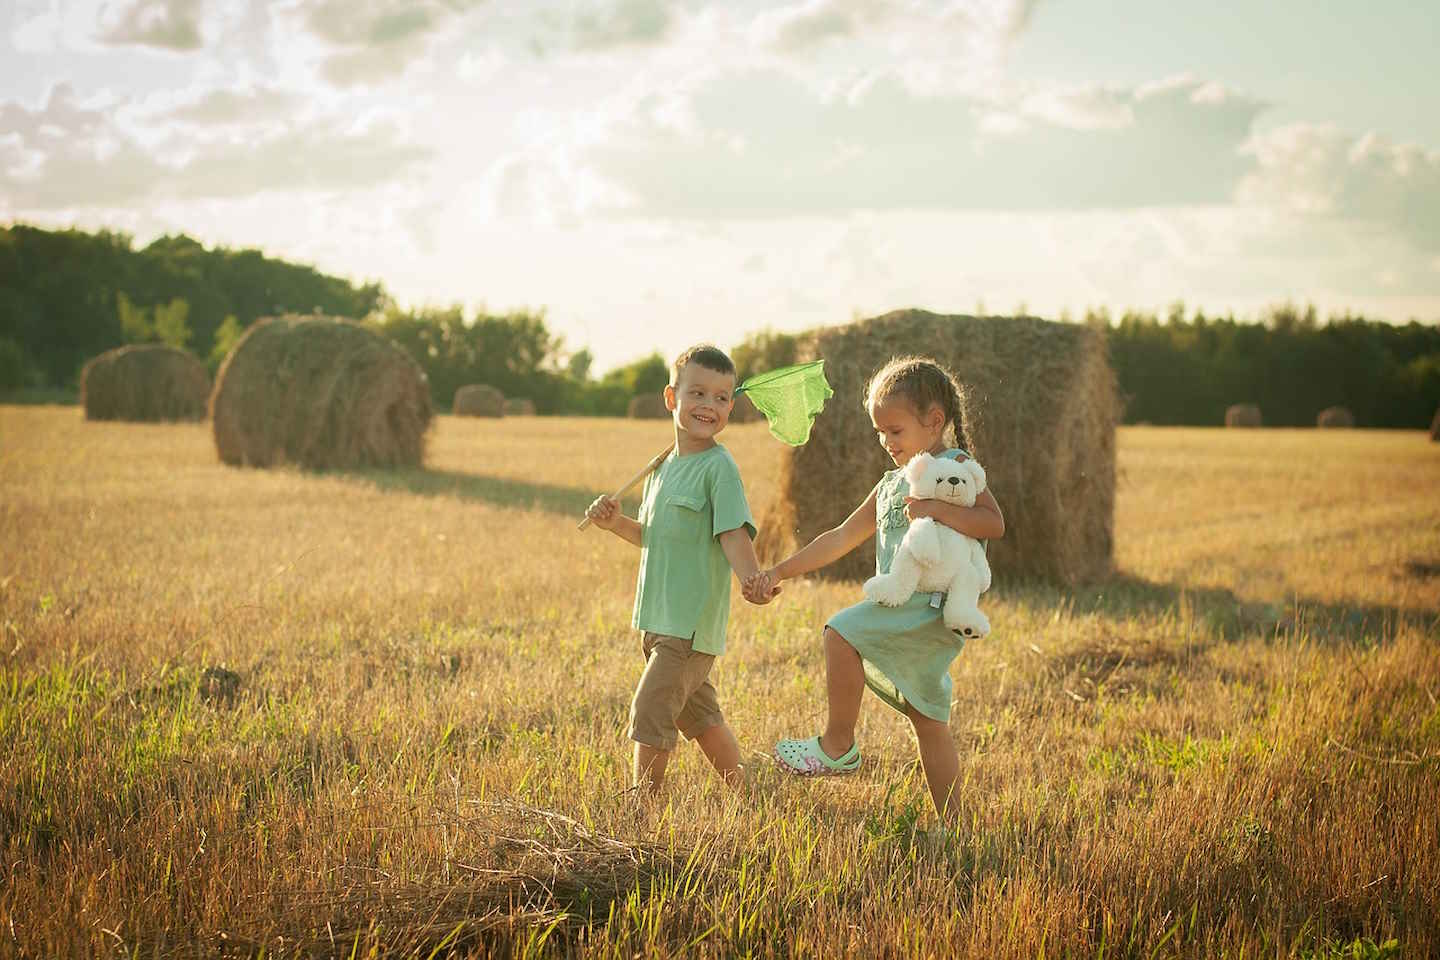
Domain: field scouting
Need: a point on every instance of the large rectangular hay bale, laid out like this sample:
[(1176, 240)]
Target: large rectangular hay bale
[(1039, 412)]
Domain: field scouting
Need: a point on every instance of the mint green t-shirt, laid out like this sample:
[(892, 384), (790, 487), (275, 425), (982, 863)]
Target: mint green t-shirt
[(684, 585)]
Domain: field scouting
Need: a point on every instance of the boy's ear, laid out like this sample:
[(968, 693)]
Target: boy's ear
[(670, 397)]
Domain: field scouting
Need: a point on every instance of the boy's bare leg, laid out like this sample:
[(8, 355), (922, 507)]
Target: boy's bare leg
[(844, 686), (723, 752), (649, 767), (939, 760)]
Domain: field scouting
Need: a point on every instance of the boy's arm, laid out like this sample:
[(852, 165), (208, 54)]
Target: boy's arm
[(984, 521), (605, 514)]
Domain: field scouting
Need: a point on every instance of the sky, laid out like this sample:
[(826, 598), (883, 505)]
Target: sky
[(652, 174)]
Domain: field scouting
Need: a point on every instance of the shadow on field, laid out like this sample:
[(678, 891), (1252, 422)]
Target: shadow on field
[(1226, 616), (570, 501)]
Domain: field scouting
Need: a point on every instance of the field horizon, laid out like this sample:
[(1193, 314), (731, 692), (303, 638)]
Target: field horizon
[(368, 713)]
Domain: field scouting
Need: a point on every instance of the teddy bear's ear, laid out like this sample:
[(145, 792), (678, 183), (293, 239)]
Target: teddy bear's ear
[(978, 472), (915, 469)]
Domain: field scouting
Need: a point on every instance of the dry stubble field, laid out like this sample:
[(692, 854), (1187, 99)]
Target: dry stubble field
[(1232, 747)]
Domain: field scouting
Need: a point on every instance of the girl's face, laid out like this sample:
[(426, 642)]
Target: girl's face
[(904, 432)]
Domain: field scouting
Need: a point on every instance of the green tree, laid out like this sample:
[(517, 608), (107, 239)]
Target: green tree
[(135, 326), (579, 364), (647, 375), (766, 350), (171, 322), (226, 336)]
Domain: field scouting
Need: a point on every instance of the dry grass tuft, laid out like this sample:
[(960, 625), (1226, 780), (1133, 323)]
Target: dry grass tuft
[(319, 392), (1039, 411), (144, 382)]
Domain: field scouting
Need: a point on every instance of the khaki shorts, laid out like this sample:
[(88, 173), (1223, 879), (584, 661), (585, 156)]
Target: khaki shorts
[(675, 694)]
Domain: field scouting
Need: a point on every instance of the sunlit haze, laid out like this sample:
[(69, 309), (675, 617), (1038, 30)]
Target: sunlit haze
[(652, 174)]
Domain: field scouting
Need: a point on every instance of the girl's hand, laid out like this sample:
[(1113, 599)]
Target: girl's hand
[(604, 512), (916, 509), (760, 587)]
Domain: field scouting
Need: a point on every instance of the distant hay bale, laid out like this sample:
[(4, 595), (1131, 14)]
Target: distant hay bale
[(519, 407), (647, 406), (1335, 418), (744, 410), (1039, 412), (144, 382), (319, 392), (1243, 415), (478, 400), (1435, 426)]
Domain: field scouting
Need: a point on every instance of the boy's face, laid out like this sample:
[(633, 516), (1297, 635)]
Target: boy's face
[(701, 400)]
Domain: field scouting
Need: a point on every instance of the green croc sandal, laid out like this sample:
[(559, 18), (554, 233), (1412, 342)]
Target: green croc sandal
[(804, 758)]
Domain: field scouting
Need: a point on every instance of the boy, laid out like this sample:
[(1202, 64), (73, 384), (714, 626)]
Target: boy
[(694, 527)]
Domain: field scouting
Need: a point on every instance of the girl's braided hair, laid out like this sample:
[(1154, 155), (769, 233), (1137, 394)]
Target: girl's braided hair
[(924, 384)]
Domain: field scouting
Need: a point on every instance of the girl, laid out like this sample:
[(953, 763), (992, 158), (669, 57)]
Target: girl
[(902, 653)]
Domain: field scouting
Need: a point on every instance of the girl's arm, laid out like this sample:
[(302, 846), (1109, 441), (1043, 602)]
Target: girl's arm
[(984, 521), (830, 545)]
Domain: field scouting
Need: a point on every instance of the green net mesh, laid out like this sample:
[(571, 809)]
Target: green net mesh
[(790, 398)]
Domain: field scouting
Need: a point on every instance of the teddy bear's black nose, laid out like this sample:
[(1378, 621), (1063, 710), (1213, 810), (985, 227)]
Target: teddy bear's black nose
[(954, 481)]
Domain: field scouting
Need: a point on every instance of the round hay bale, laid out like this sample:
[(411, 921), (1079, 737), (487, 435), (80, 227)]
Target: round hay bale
[(744, 410), (647, 406), (1435, 426), (319, 392), (1335, 418), (1039, 412), (146, 382), (1243, 415), (519, 407), (478, 400)]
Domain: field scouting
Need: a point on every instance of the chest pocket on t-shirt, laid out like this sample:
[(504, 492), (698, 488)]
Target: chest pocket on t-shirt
[(682, 518)]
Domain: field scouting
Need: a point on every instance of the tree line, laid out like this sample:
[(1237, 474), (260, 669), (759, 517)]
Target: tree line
[(66, 296)]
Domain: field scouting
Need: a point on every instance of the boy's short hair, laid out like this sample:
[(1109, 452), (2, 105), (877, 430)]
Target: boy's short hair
[(707, 355)]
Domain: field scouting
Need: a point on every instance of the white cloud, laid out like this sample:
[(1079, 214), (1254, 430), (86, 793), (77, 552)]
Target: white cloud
[(1319, 171), (165, 24), (762, 144), (619, 23), (367, 41), (905, 24), (69, 153)]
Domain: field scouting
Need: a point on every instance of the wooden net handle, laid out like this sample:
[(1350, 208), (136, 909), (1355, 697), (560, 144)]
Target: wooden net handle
[(629, 484)]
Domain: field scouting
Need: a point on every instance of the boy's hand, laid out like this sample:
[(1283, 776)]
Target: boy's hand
[(916, 509), (604, 512), (760, 587)]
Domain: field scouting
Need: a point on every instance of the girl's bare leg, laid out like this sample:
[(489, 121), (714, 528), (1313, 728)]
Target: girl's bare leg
[(939, 760), (721, 749), (844, 685)]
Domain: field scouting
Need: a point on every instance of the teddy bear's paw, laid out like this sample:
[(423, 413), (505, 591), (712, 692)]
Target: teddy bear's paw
[(971, 624), (883, 590)]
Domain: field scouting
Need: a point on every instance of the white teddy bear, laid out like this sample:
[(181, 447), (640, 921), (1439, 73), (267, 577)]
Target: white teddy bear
[(933, 557)]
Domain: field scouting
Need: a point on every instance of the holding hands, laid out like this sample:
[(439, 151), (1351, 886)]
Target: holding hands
[(761, 587)]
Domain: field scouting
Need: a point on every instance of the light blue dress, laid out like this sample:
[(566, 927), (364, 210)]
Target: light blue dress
[(907, 650)]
